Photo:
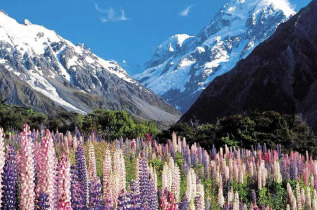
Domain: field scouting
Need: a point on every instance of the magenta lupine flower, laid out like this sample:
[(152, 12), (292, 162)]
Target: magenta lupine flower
[(47, 169), (64, 183), (27, 185), (306, 176)]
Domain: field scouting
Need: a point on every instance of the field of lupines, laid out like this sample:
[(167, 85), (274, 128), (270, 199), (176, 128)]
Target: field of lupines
[(46, 170)]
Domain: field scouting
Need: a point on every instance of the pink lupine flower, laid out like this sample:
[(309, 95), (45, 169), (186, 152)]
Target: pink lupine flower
[(64, 183), (221, 199), (27, 185), (107, 174), (47, 170), (167, 177), (119, 174), (92, 171), (191, 185), (306, 176), (298, 197)]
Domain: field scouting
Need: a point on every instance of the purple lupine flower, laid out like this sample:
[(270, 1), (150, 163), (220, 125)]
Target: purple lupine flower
[(95, 200), (183, 205), (194, 159), (135, 195), (77, 132), (173, 153), (284, 170), (80, 164), (10, 181), (293, 169), (42, 202), (198, 204), (42, 129), (228, 185), (153, 196), (279, 150), (208, 203), (300, 167), (200, 155), (252, 150), (123, 201), (78, 201), (144, 182), (213, 152), (264, 148), (253, 197)]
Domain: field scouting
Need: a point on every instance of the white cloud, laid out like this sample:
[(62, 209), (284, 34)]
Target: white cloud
[(186, 11), (111, 15)]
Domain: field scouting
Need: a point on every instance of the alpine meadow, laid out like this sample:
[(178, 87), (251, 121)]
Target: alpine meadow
[(162, 105)]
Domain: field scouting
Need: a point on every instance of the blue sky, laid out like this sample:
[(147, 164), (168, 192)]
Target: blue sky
[(127, 30)]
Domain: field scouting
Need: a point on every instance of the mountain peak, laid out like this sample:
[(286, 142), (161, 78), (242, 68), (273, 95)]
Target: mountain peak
[(183, 66), (46, 70), (243, 7), (26, 22), (3, 12), (283, 5)]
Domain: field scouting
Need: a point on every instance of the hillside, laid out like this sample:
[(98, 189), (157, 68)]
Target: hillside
[(42, 70)]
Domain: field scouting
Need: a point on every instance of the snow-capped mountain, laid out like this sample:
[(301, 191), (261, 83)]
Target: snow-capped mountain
[(280, 75), (42, 70), (184, 65)]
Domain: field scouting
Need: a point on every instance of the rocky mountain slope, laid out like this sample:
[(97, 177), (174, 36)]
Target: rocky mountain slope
[(183, 66), (280, 74), (42, 70)]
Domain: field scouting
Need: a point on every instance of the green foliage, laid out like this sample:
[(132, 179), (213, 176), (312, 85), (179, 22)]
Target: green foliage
[(114, 124), (157, 164), (179, 159), (110, 124), (271, 128), (130, 162), (280, 197), (265, 198)]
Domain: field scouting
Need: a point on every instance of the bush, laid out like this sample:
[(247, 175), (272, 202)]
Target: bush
[(109, 124), (270, 128)]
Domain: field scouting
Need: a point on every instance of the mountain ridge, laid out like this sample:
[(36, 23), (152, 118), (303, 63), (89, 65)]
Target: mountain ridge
[(280, 75), (71, 76), (179, 76)]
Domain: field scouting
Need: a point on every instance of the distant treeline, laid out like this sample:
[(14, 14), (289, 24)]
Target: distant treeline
[(270, 128), (108, 124), (242, 131)]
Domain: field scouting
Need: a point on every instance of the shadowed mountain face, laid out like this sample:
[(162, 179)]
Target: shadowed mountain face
[(280, 74), (183, 66), (42, 70)]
